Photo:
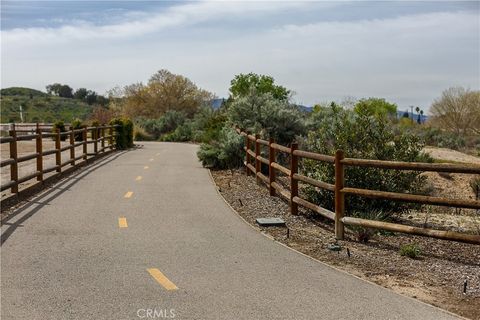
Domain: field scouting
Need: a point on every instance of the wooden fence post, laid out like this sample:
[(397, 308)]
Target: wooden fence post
[(72, 146), (110, 138), (95, 140), (14, 156), (39, 150), (247, 156), (84, 134), (271, 170), (58, 154), (293, 182), (103, 139), (339, 196), (257, 162)]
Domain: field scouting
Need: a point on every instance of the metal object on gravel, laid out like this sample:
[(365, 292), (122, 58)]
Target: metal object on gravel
[(267, 222), (334, 247)]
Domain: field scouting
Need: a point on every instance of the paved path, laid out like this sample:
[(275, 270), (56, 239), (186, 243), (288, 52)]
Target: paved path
[(179, 253)]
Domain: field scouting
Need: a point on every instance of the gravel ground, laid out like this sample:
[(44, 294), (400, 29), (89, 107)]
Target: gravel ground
[(436, 277)]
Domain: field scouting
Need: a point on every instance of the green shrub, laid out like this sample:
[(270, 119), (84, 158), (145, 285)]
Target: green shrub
[(165, 124), (364, 234), (182, 133), (367, 137), (263, 114), (59, 126), (97, 132), (225, 152), (128, 127), (411, 250), (75, 125), (124, 133), (139, 134), (207, 124), (439, 138)]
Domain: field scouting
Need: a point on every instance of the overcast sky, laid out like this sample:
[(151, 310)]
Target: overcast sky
[(407, 52)]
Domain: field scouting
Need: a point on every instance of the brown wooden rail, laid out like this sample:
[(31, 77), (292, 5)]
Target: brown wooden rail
[(254, 160), (105, 136)]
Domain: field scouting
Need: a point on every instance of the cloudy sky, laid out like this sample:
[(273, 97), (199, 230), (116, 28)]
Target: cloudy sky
[(407, 52)]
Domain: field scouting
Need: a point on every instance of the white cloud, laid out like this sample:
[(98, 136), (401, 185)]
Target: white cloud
[(138, 24), (407, 59)]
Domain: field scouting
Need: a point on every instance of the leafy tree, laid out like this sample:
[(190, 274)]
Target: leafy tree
[(65, 91), (375, 107), (262, 113), (54, 89), (61, 90), (80, 93), (91, 97), (457, 110), (241, 84), (165, 91)]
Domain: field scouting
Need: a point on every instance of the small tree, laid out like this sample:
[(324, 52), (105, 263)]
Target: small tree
[(65, 91), (375, 107), (242, 83), (457, 110), (80, 93)]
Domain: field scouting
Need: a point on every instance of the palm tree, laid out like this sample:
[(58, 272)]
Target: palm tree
[(417, 109), (421, 116)]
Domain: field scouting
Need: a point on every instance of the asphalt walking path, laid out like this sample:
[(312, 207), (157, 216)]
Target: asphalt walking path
[(144, 234)]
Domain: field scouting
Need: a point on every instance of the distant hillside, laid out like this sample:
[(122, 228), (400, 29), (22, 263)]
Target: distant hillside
[(19, 91), (39, 107)]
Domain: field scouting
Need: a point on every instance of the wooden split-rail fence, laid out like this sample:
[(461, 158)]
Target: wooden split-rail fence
[(254, 161), (102, 138)]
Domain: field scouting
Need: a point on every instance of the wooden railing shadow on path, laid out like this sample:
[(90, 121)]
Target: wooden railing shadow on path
[(54, 192)]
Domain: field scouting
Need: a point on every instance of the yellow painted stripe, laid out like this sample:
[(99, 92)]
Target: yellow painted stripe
[(146, 167), (122, 222), (128, 194), (138, 178), (160, 277)]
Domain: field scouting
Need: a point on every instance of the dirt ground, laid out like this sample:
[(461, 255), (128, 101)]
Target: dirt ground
[(451, 155), (29, 167), (436, 277), (454, 185)]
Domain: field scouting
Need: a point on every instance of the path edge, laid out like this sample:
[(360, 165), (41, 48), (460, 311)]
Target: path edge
[(319, 261)]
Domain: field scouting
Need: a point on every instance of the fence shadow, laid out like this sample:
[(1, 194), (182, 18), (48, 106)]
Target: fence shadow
[(55, 191)]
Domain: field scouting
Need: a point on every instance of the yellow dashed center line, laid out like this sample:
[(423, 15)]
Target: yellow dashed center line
[(138, 178), (122, 222), (146, 167), (128, 194), (160, 277)]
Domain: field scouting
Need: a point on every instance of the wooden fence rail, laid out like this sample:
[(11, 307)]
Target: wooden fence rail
[(97, 134), (341, 191)]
